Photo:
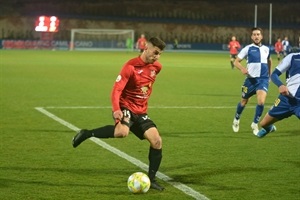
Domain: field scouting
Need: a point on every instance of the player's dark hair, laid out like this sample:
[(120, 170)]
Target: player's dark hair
[(257, 29), (157, 42)]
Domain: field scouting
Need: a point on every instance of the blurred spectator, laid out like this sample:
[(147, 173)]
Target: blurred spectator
[(278, 48), (233, 47), (129, 43), (141, 43), (286, 46), (175, 44)]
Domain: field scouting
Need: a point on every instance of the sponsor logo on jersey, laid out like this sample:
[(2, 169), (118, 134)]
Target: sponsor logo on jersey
[(119, 77)]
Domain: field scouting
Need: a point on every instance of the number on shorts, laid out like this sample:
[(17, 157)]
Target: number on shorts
[(126, 113), (277, 101), (244, 89)]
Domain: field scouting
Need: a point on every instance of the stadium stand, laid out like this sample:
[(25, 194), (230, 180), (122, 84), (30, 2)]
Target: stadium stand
[(191, 21)]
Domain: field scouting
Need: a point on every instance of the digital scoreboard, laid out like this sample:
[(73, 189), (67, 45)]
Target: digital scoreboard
[(47, 24)]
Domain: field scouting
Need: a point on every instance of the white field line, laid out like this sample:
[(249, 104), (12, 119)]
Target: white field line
[(153, 107), (185, 189)]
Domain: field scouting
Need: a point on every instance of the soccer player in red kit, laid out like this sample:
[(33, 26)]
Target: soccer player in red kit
[(233, 47), (141, 43), (129, 99), (278, 48)]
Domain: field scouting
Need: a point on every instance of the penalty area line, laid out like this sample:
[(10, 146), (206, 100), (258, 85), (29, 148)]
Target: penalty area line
[(184, 188)]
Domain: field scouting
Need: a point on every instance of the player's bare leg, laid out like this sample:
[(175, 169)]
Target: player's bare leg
[(267, 125)]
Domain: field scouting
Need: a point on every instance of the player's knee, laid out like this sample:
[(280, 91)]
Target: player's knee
[(120, 134), (121, 131), (244, 102), (156, 142)]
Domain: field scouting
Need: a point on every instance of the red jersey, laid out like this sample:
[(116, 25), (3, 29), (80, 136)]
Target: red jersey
[(278, 47), (234, 46), (133, 85), (141, 43)]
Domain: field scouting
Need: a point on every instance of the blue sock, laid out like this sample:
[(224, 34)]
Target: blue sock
[(269, 128), (261, 133), (258, 112), (239, 110), (264, 131)]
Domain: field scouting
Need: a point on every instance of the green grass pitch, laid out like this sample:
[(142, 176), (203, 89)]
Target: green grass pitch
[(193, 104)]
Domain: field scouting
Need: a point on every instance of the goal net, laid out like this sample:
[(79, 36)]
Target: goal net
[(102, 39)]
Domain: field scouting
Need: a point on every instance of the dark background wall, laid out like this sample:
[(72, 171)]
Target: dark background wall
[(189, 21)]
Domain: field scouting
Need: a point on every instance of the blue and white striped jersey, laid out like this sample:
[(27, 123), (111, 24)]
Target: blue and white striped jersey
[(257, 60), (291, 66), (285, 44)]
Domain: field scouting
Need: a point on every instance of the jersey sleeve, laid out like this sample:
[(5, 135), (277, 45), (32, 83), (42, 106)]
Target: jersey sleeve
[(280, 69), (285, 64), (119, 85), (275, 77), (243, 53)]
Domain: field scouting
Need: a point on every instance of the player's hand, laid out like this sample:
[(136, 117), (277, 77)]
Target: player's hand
[(283, 90), (118, 114), (244, 71)]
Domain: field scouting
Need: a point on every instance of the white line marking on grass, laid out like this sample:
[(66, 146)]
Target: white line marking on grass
[(185, 189), (155, 107)]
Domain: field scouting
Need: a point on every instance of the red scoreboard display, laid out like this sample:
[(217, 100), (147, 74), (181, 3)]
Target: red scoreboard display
[(47, 24)]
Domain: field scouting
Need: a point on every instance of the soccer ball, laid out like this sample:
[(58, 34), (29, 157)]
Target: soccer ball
[(138, 182)]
